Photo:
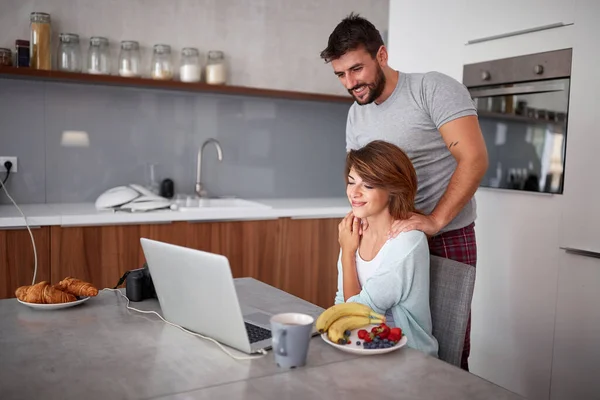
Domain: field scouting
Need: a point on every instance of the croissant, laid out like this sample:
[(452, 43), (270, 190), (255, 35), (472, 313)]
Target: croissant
[(77, 287), (43, 293)]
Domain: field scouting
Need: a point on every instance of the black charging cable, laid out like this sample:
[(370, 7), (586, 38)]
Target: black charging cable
[(122, 279), (8, 166)]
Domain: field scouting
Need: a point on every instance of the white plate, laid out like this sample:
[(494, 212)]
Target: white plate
[(354, 349), (57, 306)]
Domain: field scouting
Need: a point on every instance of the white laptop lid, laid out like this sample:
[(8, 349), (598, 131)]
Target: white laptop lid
[(195, 289)]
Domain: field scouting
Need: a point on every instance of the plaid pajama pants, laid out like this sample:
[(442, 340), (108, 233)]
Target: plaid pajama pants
[(458, 245)]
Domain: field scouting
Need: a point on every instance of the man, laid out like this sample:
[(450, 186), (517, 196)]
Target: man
[(433, 119)]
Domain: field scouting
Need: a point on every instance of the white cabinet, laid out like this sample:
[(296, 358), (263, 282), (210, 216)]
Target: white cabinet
[(581, 202), (576, 357), (490, 18)]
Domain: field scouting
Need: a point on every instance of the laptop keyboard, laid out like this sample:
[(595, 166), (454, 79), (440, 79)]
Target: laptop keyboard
[(256, 333)]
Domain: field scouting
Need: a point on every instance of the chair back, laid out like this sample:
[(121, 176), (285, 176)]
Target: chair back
[(450, 295)]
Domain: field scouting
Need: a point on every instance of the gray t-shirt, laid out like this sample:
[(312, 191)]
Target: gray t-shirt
[(410, 119)]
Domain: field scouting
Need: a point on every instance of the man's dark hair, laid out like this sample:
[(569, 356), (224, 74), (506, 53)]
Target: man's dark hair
[(350, 34)]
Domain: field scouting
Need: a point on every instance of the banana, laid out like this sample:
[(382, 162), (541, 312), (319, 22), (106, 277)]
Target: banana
[(337, 311), (337, 332)]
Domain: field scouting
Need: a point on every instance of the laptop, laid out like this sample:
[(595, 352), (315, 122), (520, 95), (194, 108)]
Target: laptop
[(196, 290)]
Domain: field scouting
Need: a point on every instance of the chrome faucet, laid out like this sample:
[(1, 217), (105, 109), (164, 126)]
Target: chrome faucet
[(199, 190)]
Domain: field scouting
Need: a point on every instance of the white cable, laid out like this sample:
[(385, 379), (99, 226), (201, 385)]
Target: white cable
[(35, 261), (262, 351)]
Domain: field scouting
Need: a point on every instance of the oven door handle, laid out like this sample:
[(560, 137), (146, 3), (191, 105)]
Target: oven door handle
[(531, 89)]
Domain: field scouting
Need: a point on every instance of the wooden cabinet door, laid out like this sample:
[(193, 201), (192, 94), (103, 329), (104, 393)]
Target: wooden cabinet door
[(250, 246), (174, 233), (17, 259), (97, 254), (309, 254)]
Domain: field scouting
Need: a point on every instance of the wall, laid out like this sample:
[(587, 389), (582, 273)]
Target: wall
[(272, 148), (525, 284), (272, 44)]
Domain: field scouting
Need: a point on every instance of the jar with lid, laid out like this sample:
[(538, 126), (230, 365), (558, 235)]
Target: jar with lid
[(5, 57), (98, 57), (162, 65), (22, 53), (190, 65), (129, 59), (216, 70), (39, 50), (69, 53)]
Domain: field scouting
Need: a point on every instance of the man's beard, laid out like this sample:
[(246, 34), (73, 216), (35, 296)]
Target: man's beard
[(375, 89)]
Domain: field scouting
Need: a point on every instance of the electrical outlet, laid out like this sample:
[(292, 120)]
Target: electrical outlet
[(13, 160)]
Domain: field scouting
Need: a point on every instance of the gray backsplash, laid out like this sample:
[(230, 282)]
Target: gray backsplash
[(272, 148)]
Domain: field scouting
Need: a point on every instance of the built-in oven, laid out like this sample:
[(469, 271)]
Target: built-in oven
[(523, 107)]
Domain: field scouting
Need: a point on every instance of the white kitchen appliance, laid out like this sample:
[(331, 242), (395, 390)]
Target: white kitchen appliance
[(131, 198)]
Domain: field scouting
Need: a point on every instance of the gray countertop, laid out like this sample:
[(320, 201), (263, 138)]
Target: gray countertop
[(100, 349)]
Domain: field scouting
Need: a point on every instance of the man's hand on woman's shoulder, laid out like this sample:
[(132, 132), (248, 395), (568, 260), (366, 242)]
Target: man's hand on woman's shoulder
[(427, 224)]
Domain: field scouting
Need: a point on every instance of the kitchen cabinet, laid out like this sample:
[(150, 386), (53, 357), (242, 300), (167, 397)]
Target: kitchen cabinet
[(309, 254), (491, 18), (97, 254), (252, 247), (576, 353), (298, 256), (580, 226), (17, 258)]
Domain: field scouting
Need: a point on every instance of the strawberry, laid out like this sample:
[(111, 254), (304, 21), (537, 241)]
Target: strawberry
[(384, 332), (362, 333), (368, 338), (393, 337), (396, 331)]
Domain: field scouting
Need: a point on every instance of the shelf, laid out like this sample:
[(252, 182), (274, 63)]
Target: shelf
[(513, 117), (115, 80)]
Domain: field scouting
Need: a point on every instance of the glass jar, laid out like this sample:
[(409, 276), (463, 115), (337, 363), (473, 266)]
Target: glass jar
[(98, 57), (129, 59), (162, 65), (39, 50), (22, 53), (216, 71), (5, 57), (190, 65), (69, 53)]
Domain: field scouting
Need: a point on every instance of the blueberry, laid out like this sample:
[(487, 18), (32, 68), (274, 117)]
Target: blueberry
[(385, 341), (346, 333), (358, 343), (376, 339)]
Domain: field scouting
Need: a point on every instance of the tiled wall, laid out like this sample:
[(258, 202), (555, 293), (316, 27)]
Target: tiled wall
[(272, 148)]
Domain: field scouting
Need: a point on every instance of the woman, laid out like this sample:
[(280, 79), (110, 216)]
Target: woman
[(390, 275)]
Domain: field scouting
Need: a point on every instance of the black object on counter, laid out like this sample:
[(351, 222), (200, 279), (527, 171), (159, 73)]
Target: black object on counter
[(167, 188), (139, 285)]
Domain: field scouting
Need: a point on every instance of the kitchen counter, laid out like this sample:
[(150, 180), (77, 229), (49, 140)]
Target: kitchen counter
[(100, 350), (85, 214)]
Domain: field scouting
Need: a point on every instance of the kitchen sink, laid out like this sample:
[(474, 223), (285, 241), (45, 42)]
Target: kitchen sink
[(196, 203)]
